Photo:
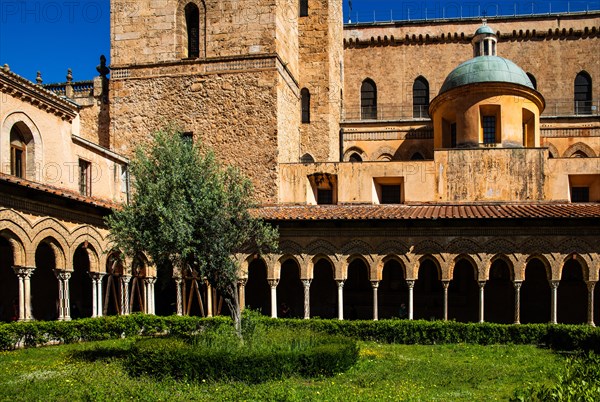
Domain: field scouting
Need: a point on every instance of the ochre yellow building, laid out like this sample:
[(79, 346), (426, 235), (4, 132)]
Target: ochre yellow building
[(449, 165)]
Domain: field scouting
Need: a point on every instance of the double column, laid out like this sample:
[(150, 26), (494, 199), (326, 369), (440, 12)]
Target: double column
[(150, 307), (64, 294), (96, 293), (24, 274)]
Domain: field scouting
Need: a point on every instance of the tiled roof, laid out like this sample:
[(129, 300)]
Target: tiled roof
[(428, 211), (57, 191)]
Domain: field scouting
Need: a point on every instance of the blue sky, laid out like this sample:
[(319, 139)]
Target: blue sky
[(51, 36)]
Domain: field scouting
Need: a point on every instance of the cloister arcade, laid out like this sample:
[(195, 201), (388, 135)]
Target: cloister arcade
[(54, 270), (501, 287), (50, 270)]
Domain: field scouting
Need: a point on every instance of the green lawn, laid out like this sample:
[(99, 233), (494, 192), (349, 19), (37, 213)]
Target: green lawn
[(384, 372)]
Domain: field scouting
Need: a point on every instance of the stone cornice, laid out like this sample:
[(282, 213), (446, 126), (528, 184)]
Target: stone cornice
[(19, 87), (462, 37)]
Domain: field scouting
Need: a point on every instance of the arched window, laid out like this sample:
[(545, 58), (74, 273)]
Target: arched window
[(583, 93), (18, 153), (355, 157), (303, 8), (420, 98), (307, 158), (305, 100), (192, 21), (533, 80), (368, 100)]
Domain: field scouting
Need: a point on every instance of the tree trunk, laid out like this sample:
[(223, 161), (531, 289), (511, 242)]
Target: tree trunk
[(233, 302)]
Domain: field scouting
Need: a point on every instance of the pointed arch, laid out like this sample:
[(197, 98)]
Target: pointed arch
[(579, 150), (355, 154), (57, 244), (31, 138), (16, 245), (552, 151)]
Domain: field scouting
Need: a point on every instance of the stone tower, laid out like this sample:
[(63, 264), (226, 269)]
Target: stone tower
[(321, 61), (230, 72)]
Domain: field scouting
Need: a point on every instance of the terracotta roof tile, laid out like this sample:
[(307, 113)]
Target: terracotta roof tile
[(57, 191), (428, 211)]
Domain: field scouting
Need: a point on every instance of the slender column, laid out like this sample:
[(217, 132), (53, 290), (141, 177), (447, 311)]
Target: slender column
[(209, 300), (24, 274), (273, 283), (306, 283), (94, 294), (554, 302), (99, 296), (481, 300), (125, 294), (340, 284), (150, 308), (446, 284), (242, 293), (375, 285), (178, 282), (590, 310), (411, 303), (517, 285), (64, 305)]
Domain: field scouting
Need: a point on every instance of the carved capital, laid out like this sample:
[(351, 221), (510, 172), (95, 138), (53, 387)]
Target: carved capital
[(62, 275), (306, 282), (410, 284), (23, 272), (150, 280), (340, 283), (125, 279), (273, 283), (517, 284), (554, 284), (375, 284)]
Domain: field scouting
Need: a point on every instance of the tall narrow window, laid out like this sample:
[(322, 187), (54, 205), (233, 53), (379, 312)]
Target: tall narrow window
[(192, 20), (420, 98), (533, 80), (18, 153), (583, 93), (85, 178), (368, 100), (453, 135), (489, 129), (303, 8), (305, 100)]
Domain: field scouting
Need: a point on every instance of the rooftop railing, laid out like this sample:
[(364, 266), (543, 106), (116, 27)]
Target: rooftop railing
[(382, 112)]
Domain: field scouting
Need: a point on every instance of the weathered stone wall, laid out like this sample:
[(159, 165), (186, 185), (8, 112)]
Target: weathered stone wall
[(235, 114), (394, 55), (150, 31), (321, 38), (490, 175)]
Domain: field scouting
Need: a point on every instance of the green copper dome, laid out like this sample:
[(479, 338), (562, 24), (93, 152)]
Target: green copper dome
[(484, 29), (486, 69)]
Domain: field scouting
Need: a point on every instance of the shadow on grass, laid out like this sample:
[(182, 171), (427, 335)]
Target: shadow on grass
[(101, 353)]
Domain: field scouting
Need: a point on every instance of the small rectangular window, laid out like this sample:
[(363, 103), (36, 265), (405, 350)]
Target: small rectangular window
[(489, 129), (85, 178), (391, 194), (580, 194), (303, 8), (324, 196), (188, 137)]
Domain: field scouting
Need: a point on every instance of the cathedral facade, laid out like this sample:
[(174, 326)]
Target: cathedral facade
[(447, 169)]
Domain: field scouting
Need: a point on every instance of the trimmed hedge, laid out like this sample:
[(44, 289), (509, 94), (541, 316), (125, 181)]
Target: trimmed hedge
[(277, 354), (558, 337)]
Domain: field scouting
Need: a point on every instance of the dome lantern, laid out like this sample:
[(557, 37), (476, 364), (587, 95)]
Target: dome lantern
[(484, 41)]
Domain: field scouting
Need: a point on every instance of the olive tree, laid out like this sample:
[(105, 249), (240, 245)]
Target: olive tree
[(188, 211)]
